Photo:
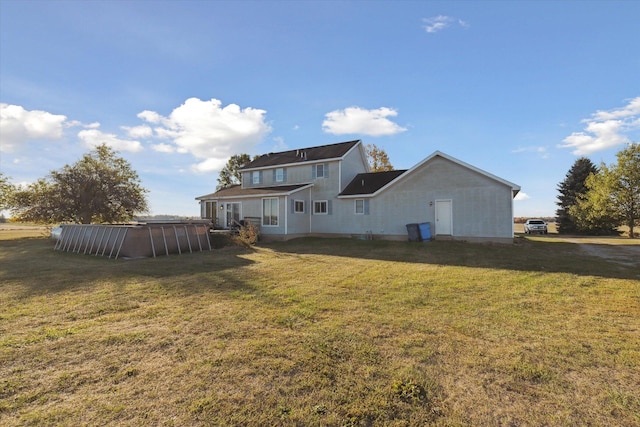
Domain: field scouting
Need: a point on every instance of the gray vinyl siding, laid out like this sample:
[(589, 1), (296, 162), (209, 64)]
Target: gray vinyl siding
[(481, 206), (297, 174), (299, 223), (352, 164), (251, 208)]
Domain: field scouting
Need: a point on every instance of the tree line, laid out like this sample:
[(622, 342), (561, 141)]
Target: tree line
[(597, 200)]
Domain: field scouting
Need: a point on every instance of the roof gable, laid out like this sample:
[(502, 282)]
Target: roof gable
[(302, 155), (514, 187), (371, 190)]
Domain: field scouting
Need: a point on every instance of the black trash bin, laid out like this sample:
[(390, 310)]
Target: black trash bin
[(414, 232)]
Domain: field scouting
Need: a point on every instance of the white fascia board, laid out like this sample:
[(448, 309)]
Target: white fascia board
[(358, 196)]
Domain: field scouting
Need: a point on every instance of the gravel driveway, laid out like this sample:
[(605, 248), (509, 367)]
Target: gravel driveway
[(627, 254)]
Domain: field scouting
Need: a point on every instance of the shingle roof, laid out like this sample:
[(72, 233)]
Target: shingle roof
[(369, 183), (331, 151), (238, 191)]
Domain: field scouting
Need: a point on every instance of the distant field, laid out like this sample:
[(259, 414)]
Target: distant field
[(320, 332), (552, 228), (10, 231)]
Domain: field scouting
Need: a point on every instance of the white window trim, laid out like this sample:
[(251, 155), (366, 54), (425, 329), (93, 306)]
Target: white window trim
[(323, 170), (277, 212), (295, 205), (255, 177), (280, 178), (355, 206), (326, 204)]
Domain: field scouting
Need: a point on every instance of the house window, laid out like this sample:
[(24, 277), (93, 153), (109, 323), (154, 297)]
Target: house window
[(279, 175), (209, 210), (359, 206), (255, 177), (320, 207), (298, 206), (320, 171), (270, 211)]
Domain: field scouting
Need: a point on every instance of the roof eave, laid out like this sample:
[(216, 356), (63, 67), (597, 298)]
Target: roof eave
[(358, 142), (247, 196), (305, 162)]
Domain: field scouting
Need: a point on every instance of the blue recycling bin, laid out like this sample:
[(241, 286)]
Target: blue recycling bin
[(425, 231)]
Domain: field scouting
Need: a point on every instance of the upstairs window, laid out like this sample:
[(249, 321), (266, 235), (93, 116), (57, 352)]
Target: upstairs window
[(279, 173), (255, 177), (319, 171)]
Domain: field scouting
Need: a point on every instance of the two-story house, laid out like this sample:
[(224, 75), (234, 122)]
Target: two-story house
[(329, 191)]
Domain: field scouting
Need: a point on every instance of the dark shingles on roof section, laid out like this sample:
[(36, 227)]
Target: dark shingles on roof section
[(332, 151), (237, 190), (369, 183)]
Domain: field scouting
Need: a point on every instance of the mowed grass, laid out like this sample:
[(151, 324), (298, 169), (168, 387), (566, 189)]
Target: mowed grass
[(320, 332)]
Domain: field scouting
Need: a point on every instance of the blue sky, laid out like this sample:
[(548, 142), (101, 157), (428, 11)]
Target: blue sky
[(520, 89)]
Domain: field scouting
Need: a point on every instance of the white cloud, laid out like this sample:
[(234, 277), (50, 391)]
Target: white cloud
[(150, 116), (356, 120), (163, 148), (211, 164), (605, 129), (18, 126), (143, 131), (630, 110), (209, 131), (440, 22), (521, 196), (94, 137)]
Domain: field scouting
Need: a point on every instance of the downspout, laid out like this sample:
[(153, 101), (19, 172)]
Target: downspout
[(311, 210), (286, 215)]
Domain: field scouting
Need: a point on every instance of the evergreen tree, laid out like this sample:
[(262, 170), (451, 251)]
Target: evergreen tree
[(573, 186)]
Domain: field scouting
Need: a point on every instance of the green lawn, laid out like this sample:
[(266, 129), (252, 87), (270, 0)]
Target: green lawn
[(320, 332)]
